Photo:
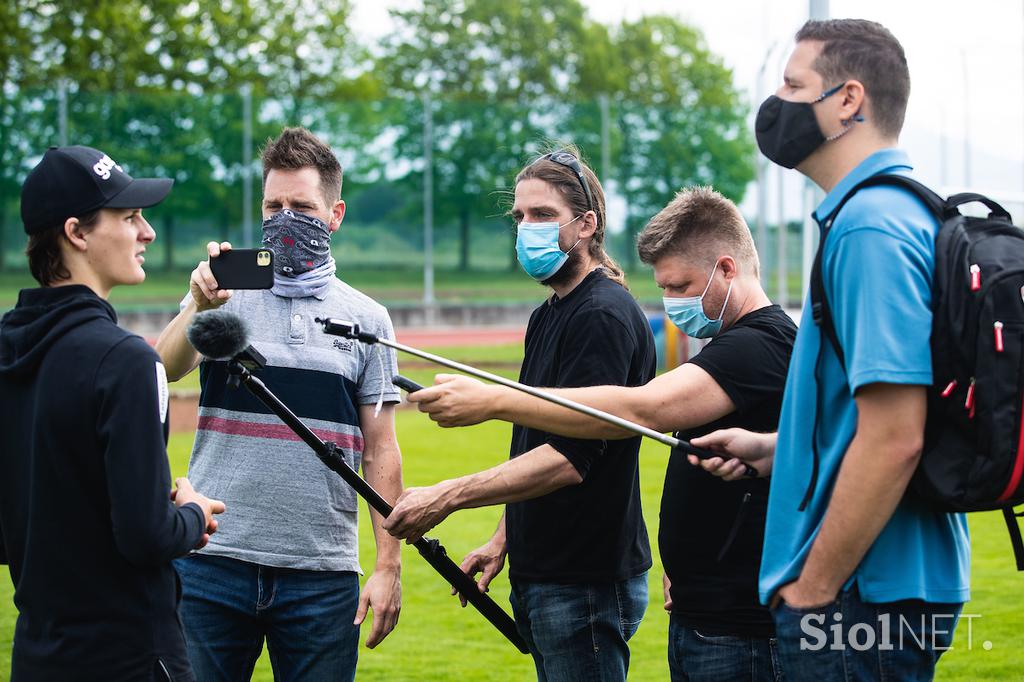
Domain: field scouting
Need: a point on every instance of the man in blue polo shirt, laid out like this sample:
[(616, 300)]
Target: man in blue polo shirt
[(843, 544)]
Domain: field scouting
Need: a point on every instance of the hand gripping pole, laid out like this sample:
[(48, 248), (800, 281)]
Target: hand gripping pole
[(351, 330)]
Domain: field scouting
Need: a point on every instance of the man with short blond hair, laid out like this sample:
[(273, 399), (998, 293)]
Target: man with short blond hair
[(698, 221), (286, 567)]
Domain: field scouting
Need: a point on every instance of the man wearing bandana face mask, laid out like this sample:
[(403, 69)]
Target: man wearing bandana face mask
[(287, 570), (573, 529), (843, 544)]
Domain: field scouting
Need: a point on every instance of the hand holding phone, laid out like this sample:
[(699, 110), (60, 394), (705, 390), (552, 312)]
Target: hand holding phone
[(244, 269)]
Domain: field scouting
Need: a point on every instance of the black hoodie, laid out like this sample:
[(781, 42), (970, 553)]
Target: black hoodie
[(86, 522)]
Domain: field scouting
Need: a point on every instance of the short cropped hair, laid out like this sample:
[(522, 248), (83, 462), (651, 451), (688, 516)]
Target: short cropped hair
[(297, 148), (45, 261), (868, 52), (701, 225)]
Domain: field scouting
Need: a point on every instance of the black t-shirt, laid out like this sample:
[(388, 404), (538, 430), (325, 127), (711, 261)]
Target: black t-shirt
[(712, 531), (594, 531)]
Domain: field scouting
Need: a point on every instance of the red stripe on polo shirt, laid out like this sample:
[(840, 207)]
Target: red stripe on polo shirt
[(235, 427)]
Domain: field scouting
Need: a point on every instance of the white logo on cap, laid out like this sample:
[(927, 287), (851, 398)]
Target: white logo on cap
[(103, 166)]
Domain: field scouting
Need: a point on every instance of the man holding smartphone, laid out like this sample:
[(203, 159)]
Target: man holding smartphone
[(286, 567)]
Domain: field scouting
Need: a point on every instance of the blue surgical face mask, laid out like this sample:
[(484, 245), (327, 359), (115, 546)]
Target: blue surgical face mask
[(688, 313), (538, 251)]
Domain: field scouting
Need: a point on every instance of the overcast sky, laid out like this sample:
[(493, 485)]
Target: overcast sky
[(952, 46)]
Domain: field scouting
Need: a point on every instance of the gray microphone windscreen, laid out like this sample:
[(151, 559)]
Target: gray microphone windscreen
[(218, 335)]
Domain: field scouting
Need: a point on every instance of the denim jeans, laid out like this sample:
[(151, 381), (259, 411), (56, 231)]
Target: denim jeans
[(229, 607), (694, 656), (579, 632), (851, 639)]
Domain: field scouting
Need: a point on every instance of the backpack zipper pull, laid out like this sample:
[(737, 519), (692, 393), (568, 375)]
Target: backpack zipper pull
[(949, 389), (969, 403), (998, 328), (975, 277)]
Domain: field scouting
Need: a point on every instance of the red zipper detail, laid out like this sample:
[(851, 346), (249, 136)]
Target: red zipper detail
[(949, 389), (1018, 465)]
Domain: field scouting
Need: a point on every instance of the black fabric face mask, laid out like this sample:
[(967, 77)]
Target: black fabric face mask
[(788, 132)]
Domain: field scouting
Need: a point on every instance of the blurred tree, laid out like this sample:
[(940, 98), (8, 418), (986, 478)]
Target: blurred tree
[(679, 119), (506, 77), (491, 68), (156, 82)]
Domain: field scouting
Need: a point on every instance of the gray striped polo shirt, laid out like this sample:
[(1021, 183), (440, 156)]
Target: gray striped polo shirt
[(284, 507)]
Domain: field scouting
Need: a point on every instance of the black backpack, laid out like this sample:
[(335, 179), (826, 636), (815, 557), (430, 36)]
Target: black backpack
[(973, 456)]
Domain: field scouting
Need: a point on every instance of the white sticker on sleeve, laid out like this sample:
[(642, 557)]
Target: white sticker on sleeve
[(162, 391)]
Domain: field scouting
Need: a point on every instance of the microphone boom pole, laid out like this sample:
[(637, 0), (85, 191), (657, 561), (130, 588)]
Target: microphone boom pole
[(330, 455)]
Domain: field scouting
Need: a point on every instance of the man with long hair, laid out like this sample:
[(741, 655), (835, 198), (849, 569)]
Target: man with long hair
[(573, 529)]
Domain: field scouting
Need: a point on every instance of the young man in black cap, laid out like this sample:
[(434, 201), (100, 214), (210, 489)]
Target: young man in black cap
[(86, 523)]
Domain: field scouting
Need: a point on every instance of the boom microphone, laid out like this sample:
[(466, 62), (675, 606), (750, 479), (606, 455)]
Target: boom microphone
[(218, 335)]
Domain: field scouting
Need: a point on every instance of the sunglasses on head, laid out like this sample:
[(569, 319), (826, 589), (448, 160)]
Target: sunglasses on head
[(572, 163)]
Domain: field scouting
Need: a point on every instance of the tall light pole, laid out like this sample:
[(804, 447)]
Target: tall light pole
[(429, 303), (967, 121), (247, 231), (762, 175), (812, 195)]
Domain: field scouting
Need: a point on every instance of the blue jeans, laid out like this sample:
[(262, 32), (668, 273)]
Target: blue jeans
[(228, 607), (851, 639), (579, 632), (694, 656)]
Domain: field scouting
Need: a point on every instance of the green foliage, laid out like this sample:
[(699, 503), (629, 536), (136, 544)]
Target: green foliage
[(277, 46), (499, 74), (158, 84)]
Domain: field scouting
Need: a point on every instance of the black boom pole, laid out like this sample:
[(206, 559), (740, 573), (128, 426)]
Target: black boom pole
[(431, 550)]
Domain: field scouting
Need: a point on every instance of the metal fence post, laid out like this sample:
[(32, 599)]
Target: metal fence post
[(62, 112)]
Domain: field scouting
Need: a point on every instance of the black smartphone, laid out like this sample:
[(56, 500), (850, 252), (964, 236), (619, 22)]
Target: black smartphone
[(244, 269)]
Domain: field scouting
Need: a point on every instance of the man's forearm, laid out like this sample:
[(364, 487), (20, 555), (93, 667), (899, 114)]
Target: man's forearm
[(176, 353), (526, 410), (532, 474), (871, 482), (383, 471)]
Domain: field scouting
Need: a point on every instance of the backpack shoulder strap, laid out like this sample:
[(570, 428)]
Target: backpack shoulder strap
[(820, 310)]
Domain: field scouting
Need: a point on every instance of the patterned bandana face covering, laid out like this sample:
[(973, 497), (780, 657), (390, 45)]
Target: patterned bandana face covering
[(300, 242)]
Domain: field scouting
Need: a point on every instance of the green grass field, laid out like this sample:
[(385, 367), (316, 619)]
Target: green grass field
[(436, 640)]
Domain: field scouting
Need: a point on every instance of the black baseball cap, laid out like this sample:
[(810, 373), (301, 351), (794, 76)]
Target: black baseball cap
[(73, 181)]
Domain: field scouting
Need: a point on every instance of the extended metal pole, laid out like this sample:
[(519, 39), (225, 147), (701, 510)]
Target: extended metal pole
[(430, 549), (351, 330), (543, 395)]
